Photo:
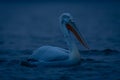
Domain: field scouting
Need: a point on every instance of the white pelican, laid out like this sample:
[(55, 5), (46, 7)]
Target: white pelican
[(55, 56)]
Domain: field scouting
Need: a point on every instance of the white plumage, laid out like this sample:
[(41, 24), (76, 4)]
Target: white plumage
[(55, 56)]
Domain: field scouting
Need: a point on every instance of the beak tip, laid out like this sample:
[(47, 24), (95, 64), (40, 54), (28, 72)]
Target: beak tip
[(87, 47)]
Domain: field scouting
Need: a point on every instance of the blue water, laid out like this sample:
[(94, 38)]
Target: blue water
[(26, 26)]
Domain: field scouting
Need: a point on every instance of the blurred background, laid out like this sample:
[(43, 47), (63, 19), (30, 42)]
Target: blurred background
[(29, 24), (26, 25)]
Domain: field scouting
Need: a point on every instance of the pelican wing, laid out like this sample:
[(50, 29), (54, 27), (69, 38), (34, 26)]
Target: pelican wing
[(50, 53)]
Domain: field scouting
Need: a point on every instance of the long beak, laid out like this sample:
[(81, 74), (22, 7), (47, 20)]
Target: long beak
[(75, 31)]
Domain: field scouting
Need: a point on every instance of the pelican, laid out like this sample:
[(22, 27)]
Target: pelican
[(55, 56)]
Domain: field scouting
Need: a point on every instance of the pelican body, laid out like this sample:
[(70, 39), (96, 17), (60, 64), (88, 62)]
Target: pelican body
[(55, 56)]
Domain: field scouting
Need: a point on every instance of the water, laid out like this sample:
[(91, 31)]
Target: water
[(95, 65), (27, 26)]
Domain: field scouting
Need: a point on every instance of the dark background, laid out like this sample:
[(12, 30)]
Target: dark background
[(26, 25), (30, 24)]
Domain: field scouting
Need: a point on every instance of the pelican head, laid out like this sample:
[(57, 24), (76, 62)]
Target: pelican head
[(65, 18), (69, 25)]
